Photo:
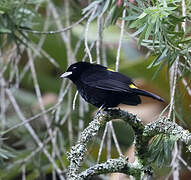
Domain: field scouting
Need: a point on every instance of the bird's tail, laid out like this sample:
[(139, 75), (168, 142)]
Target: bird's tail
[(148, 94)]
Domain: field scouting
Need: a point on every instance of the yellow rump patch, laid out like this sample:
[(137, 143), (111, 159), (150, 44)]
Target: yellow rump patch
[(132, 86), (110, 69)]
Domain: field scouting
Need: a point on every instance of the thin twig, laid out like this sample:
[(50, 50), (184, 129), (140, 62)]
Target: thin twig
[(81, 115), (59, 31), (38, 92), (77, 47), (173, 81), (121, 38), (175, 162), (86, 54), (102, 142), (55, 107), (86, 33), (108, 142), (23, 172), (70, 126), (184, 82), (45, 28), (115, 138), (74, 100), (184, 15), (30, 119), (116, 68), (184, 162), (33, 153), (32, 132), (177, 149), (60, 99), (99, 40), (2, 105)]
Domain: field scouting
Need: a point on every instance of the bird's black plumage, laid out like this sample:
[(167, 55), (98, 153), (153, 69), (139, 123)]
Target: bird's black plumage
[(103, 87)]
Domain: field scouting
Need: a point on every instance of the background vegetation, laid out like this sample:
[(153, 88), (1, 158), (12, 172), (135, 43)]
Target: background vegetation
[(41, 115)]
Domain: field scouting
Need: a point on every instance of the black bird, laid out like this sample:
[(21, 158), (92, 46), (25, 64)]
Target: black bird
[(103, 87)]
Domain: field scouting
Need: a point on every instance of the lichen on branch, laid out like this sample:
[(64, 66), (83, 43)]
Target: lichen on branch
[(143, 134)]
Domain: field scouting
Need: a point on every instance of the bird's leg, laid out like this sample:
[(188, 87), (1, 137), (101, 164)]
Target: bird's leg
[(99, 110)]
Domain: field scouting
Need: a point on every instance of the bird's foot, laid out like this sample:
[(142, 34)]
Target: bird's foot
[(100, 109)]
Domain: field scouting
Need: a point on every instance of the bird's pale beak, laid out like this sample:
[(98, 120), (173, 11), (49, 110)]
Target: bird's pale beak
[(66, 74)]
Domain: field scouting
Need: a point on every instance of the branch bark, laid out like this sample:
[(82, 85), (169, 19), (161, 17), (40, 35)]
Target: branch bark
[(140, 168)]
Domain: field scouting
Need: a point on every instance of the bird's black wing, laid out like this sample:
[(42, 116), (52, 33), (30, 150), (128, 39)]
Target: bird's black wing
[(114, 81), (107, 80)]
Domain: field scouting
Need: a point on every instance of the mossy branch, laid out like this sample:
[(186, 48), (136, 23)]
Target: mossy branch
[(140, 168), (120, 165)]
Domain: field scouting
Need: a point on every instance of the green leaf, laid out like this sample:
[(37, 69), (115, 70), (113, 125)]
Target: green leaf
[(5, 154), (159, 69), (138, 31), (129, 18), (160, 158), (91, 6), (179, 117), (105, 7), (160, 149), (142, 36), (136, 24), (170, 8), (142, 15), (4, 30), (148, 31), (186, 40), (132, 6), (159, 58), (154, 148)]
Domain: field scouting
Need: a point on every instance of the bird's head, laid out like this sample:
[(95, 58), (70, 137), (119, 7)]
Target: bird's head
[(75, 70)]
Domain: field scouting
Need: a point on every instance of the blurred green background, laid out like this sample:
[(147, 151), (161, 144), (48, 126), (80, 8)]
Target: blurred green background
[(30, 68)]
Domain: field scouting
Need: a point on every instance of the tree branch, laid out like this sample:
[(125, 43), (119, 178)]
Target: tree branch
[(120, 165), (167, 127), (143, 134)]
